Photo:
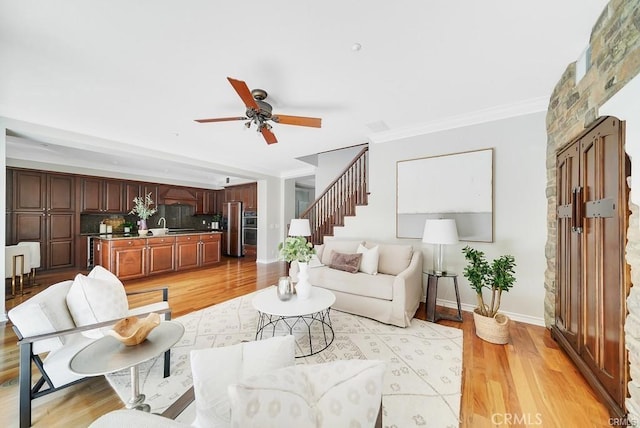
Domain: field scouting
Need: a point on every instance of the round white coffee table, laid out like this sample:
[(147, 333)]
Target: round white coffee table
[(310, 313), (108, 355)]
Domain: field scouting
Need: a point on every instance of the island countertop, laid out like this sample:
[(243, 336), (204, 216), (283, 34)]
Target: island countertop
[(118, 236)]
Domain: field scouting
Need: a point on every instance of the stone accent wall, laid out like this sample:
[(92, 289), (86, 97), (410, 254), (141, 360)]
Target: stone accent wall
[(632, 325), (615, 60)]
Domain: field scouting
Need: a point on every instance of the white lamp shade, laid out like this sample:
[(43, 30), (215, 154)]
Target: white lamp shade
[(299, 227), (440, 231)]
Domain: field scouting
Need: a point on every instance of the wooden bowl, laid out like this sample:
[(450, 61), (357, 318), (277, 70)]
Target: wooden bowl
[(132, 330)]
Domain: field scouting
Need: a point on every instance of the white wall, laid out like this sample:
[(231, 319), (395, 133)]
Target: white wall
[(270, 223), (520, 207), (330, 164), (3, 208)]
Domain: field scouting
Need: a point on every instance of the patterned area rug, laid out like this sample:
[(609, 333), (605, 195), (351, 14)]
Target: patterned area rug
[(422, 385)]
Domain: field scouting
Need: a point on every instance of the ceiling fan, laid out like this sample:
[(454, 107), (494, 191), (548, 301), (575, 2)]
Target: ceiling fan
[(259, 112)]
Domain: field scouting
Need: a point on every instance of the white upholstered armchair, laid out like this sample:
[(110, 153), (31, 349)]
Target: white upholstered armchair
[(64, 318)]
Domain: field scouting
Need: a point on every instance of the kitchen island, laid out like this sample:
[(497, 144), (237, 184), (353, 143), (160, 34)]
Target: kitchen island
[(134, 256)]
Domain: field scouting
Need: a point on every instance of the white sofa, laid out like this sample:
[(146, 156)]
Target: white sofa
[(391, 290)]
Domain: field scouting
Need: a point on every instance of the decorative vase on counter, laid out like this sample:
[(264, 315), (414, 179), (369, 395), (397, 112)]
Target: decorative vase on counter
[(285, 288), (303, 287), (142, 227)]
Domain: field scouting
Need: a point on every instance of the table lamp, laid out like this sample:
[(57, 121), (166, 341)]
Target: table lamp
[(440, 232), (299, 227)]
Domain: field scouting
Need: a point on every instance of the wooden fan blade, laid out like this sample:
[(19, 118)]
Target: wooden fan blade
[(220, 119), (313, 122), (268, 135), (243, 90)]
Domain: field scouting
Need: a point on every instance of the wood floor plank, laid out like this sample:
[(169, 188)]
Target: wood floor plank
[(529, 382)]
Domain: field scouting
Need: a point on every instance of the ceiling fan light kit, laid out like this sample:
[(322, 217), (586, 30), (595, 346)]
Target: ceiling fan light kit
[(259, 112)]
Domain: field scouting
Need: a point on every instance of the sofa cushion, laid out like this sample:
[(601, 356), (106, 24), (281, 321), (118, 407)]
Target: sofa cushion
[(232, 363), (346, 262), (350, 246), (394, 258), (94, 299), (370, 257), (377, 286), (336, 394)]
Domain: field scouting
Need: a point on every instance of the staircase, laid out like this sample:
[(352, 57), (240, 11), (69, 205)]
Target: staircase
[(339, 199)]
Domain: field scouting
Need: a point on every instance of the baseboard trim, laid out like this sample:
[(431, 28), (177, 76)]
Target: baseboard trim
[(527, 319)]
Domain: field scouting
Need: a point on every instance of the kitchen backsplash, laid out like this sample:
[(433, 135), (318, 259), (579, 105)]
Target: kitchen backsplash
[(90, 223)]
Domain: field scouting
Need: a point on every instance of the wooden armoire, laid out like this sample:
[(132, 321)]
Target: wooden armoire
[(592, 276)]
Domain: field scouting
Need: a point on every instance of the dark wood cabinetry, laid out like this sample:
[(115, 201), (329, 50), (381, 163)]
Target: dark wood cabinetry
[(161, 251), (205, 202), (247, 193), (197, 250), (44, 211), (102, 196), (139, 257), (593, 278)]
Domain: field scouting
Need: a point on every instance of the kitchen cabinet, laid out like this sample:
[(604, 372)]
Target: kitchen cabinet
[(102, 196), (205, 202), (210, 248), (133, 189), (197, 250), (44, 211), (139, 256), (246, 193), (161, 253), (125, 257)]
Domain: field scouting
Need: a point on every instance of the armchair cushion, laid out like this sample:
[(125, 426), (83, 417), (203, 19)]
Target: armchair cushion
[(214, 369), (95, 298), (340, 393)]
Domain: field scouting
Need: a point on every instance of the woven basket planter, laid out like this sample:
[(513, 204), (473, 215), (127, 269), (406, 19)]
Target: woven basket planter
[(494, 330)]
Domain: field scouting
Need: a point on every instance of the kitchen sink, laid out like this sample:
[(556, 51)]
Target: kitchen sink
[(159, 231)]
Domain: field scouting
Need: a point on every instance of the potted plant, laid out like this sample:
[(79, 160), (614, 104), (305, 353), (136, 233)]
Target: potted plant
[(296, 248), (497, 276), (142, 208)]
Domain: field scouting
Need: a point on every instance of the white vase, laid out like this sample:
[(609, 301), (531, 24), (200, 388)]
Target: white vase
[(303, 287)]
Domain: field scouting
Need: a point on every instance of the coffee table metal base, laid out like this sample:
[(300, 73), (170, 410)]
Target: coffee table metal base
[(270, 322)]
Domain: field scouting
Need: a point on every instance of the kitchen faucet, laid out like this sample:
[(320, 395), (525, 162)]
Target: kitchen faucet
[(161, 220)]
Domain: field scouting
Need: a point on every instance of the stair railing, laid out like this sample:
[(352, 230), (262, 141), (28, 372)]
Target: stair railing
[(339, 199)]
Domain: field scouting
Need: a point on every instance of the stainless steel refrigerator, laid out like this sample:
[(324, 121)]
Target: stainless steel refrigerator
[(232, 218)]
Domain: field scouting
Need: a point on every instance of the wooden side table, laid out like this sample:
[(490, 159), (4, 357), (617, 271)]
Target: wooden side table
[(432, 294)]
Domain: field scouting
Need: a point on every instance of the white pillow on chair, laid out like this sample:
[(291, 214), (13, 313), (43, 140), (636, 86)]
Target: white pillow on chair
[(97, 297), (214, 369), (343, 393)]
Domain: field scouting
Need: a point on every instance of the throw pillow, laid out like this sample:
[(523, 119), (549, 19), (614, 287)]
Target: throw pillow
[(319, 250), (214, 369), (340, 393), (394, 258), (92, 300), (369, 263), (346, 262)]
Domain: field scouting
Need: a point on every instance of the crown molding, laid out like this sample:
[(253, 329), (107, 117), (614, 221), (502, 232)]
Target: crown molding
[(533, 105)]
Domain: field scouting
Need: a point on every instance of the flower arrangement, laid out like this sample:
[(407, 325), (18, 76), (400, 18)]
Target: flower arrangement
[(142, 207), (296, 248)]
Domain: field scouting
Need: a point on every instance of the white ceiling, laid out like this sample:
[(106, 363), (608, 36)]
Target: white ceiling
[(120, 82)]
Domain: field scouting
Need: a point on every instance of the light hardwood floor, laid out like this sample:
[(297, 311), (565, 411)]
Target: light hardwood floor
[(529, 382)]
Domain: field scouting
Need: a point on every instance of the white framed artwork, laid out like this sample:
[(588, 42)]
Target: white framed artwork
[(457, 186)]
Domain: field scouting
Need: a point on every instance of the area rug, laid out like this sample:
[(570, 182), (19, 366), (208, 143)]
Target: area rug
[(422, 384)]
